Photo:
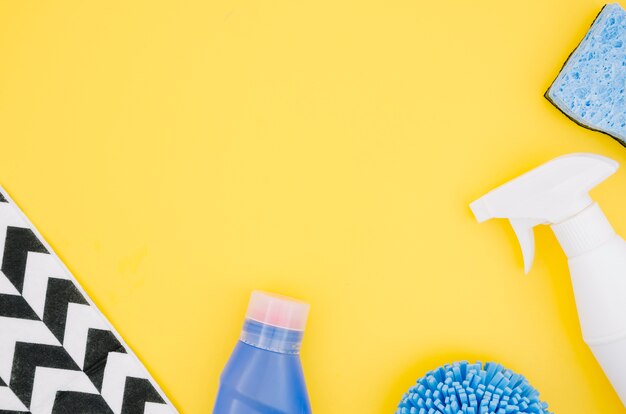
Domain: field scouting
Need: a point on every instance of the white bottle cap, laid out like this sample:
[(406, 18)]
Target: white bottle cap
[(279, 311)]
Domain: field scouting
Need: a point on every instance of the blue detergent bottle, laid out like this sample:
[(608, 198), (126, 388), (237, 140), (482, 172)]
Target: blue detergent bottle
[(264, 374)]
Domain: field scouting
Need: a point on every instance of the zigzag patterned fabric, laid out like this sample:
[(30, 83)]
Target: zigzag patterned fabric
[(58, 353)]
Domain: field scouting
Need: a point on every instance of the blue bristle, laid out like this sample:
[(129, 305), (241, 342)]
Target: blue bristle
[(462, 388), (590, 88)]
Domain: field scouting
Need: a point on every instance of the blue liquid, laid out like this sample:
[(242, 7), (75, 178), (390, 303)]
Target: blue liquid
[(258, 380)]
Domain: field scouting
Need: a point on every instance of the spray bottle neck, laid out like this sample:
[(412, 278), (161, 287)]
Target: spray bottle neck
[(583, 232)]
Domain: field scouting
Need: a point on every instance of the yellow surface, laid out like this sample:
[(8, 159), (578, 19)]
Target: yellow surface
[(179, 154)]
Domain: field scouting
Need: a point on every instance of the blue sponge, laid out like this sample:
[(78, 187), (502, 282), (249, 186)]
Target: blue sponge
[(590, 88), (464, 388)]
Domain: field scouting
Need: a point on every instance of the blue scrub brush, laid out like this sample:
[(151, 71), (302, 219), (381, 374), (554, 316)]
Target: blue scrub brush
[(464, 388)]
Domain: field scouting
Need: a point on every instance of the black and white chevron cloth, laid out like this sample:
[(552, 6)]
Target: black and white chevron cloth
[(58, 354)]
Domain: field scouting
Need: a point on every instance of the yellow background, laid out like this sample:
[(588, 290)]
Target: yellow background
[(178, 155)]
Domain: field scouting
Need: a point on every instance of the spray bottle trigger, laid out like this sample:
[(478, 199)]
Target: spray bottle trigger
[(524, 230)]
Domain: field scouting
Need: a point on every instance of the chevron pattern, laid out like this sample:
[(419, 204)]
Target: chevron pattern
[(58, 354)]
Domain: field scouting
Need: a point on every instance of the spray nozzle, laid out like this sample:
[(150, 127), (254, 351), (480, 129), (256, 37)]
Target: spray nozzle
[(549, 194)]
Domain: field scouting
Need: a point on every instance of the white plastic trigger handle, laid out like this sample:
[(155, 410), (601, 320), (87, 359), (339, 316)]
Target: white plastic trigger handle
[(525, 232)]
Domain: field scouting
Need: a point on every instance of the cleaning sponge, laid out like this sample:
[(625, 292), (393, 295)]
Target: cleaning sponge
[(591, 87), (472, 389)]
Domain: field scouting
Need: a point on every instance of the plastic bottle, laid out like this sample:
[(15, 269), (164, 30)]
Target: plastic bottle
[(556, 193), (264, 374)]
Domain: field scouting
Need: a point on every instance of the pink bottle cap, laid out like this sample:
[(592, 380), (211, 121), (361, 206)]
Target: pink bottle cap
[(277, 310)]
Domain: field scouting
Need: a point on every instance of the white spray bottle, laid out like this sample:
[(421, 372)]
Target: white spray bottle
[(556, 193)]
